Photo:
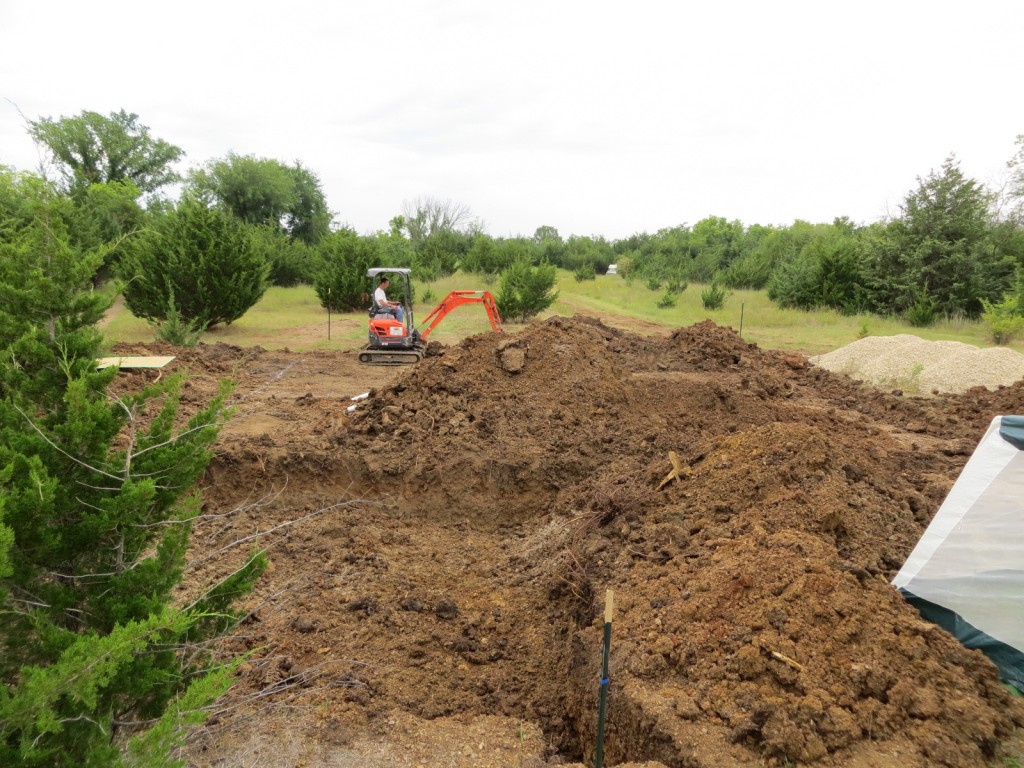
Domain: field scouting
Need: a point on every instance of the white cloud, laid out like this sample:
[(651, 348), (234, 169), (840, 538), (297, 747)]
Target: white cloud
[(594, 117)]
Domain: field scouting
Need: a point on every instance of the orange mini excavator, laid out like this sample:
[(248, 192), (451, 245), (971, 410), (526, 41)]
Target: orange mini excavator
[(399, 342)]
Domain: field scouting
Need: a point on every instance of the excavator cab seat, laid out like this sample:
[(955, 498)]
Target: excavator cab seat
[(379, 313)]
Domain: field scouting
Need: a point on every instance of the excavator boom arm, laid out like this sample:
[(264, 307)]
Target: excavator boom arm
[(457, 299)]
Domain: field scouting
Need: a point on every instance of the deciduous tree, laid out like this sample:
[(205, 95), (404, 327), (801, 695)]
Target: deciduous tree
[(1015, 191), (266, 192), (425, 216), (546, 232), (93, 149)]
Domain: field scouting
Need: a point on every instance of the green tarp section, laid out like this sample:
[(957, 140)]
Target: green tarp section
[(1011, 429), (1009, 660), (966, 573)]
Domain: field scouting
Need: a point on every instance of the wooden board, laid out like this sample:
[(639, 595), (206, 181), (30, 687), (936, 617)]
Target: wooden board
[(152, 361)]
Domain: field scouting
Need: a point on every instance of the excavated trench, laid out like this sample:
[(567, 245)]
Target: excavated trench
[(442, 610), (458, 529), (439, 614)]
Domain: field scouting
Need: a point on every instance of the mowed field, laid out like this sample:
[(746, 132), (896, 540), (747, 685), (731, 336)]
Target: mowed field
[(293, 318)]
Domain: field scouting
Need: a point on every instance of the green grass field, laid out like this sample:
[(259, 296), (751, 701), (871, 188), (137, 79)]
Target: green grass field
[(293, 318)]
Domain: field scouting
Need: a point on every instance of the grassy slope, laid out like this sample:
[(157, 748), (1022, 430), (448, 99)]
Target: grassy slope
[(293, 318), (763, 323)]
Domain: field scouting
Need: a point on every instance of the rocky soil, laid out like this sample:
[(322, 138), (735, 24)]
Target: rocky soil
[(441, 553)]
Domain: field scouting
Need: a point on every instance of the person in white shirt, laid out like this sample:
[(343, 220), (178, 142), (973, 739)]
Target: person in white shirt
[(380, 298)]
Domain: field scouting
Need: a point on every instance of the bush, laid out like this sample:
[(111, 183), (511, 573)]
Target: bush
[(654, 283), (795, 283), (585, 272), (667, 301), (841, 273), (176, 331), (676, 285), (201, 261), (1003, 330), (438, 255), (751, 270), (94, 529), (713, 297), (526, 290), (1005, 320), (340, 278), (922, 313), (483, 257), (289, 260)]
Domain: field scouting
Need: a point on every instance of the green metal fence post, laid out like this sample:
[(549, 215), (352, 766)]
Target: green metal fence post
[(609, 607)]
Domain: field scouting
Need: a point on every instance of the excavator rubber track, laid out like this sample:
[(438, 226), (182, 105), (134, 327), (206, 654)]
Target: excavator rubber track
[(390, 356)]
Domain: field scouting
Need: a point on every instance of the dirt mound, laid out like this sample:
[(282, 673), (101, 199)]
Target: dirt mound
[(440, 552)]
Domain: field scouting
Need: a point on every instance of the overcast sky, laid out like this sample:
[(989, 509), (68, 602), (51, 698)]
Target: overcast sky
[(597, 118)]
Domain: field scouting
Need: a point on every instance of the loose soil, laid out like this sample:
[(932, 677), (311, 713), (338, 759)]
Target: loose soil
[(440, 555)]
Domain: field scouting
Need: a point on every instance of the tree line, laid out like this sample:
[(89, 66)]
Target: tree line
[(950, 252), (243, 223)]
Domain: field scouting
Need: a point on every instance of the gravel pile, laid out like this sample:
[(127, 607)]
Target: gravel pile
[(923, 367)]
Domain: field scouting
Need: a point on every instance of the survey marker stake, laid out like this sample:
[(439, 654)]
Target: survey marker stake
[(609, 608)]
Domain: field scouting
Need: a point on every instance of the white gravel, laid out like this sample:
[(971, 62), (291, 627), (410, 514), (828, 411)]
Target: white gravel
[(922, 367)]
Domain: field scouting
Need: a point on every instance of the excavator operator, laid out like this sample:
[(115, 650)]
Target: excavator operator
[(380, 298)]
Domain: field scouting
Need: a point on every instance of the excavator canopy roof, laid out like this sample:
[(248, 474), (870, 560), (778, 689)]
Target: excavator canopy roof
[(374, 271)]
